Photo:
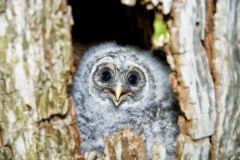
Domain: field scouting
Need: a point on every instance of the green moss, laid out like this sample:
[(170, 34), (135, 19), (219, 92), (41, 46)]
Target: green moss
[(3, 47), (10, 33), (5, 153), (43, 102), (2, 5), (25, 43), (4, 41)]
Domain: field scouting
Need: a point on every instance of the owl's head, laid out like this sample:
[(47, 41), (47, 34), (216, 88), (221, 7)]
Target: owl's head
[(122, 76)]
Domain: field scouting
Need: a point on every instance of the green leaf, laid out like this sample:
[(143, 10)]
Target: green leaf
[(160, 34)]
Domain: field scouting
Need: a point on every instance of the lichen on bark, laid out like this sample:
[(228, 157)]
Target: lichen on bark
[(35, 71)]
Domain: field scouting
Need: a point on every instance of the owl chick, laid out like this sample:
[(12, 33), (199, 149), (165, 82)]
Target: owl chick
[(118, 86)]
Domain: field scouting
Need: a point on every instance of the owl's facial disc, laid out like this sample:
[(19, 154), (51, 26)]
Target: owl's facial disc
[(118, 95), (119, 84)]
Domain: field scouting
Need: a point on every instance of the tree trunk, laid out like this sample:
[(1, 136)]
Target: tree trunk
[(35, 69), (207, 77), (37, 119)]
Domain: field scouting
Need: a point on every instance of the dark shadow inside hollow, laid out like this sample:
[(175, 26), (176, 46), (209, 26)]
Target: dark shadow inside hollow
[(108, 20)]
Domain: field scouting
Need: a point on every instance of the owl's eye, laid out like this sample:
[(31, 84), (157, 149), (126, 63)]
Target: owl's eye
[(133, 79), (106, 75)]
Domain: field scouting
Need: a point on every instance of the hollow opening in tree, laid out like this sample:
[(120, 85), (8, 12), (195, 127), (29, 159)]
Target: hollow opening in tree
[(104, 21)]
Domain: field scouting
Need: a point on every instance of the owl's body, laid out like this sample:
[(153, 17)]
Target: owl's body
[(115, 87)]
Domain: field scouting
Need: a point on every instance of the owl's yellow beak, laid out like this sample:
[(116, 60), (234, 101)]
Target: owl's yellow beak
[(118, 91), (117, 95)]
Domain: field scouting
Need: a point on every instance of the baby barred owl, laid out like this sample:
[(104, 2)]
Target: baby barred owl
[(118, 86)]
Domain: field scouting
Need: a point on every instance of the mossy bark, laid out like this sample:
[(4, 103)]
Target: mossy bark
[(35, 71)]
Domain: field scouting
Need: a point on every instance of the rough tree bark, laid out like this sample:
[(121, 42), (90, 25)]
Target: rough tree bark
[(36, 113), (35, 70), (226, 63), (207, 77)]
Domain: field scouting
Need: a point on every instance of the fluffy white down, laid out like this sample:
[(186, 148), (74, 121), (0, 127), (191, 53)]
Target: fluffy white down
[(154, 116)]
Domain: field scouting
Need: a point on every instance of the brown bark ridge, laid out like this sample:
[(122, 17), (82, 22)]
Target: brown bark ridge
[(35, 69), (207, 77), (193, 80), (125, 145)]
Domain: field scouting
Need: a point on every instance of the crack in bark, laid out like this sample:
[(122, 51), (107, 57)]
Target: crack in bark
[(208, 41), (53, 117), (208, 44), (6, 151)]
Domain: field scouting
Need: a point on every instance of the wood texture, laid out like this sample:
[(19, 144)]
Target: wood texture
[(125, 145), (35, 69), (226, 62), (193, 81), (207, 77)]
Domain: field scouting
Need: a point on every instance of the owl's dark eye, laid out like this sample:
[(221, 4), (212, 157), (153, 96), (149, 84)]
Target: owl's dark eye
[(106, 75), (133, 79)]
